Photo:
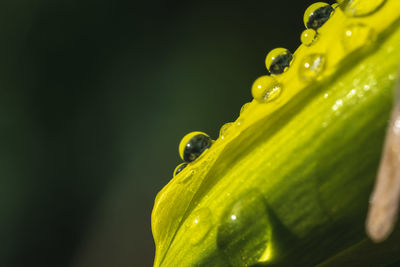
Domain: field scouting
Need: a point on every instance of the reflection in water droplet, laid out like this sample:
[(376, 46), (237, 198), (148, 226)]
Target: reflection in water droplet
[(356, 36), (193, 145), (243, 108), (278, 60), (308, 36), (358, 8), (199, 225), (316, 15), (312, 66), (179, 168), (224, 130), (265, 89), (244, 232)]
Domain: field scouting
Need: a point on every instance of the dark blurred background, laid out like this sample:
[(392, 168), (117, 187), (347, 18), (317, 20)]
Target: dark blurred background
[(94, 98)]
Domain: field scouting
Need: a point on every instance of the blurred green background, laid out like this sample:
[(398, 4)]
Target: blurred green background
[(95, 96)]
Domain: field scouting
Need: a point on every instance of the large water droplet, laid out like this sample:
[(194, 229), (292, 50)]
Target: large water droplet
[(308, 36), (311, 66), (265, 89), (199, 225), (358, 8), (278, 60), (193, 145), (244, 232), (316, 15), (356, 36), (225, 130)]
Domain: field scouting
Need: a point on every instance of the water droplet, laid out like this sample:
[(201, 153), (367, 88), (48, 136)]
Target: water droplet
[(337, 104), (179, 168), (265, 89), (193, 145), (224, 130), (278, 60), (243, 108), (359, 8), (199, 225), (316, 15), (239, 122), (312, 66), (351, 93), (308, 36), (356, 36), (244, 232)]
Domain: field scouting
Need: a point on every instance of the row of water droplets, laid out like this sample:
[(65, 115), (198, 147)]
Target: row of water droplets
[(267, 88), (249, 208)]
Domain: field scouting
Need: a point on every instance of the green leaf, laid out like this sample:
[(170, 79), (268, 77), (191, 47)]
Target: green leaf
[(288, 183)]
